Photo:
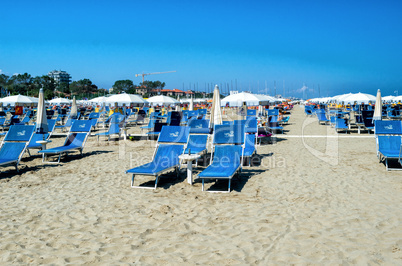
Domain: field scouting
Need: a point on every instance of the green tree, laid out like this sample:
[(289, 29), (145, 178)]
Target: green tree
[(123, 86), (83, 87)]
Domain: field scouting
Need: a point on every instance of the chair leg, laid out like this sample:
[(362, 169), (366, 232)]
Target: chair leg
[(202, 189)]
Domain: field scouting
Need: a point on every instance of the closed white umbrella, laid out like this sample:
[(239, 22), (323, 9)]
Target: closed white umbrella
[(41, 119), (126, 99), (216, 114), (191, 107), (378, 107), (74, 109), (162, 100)]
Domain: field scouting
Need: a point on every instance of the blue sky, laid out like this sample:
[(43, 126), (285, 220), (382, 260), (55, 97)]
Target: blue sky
[(339, 46)]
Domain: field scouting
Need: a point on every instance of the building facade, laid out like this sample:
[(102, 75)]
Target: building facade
[(60, 76)]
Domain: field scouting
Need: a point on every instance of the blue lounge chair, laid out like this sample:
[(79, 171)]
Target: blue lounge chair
[(15, 144), (116, 123), (227, 154), (341, 124), (322, 118), (274, 126), (67, 125), (151, 124), (388, 141), (37, 137), (197, 144), (170, 145), (75, 140), (249, 147), (157, 129)]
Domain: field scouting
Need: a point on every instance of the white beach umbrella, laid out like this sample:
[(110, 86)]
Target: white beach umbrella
[(162, 100), (378, 107), (74, 109), (191, 107), (389, 98), (99, 100), (216, 114), (11, 100), (398, 98), (340, 98), (359, 98), (41, 119), (250, 99), (185, 100), (126, 99), (59, 101)]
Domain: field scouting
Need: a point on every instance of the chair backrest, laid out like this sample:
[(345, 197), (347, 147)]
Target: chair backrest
[(321, 116), (341, 123), (199, 126), (174, 134), (202, 111), (228, 134), (51, 124), (21, 133), (387, 127), (273, 112), (192, 113), (251, 112), (81, 126), (158, 126), (94, 115)]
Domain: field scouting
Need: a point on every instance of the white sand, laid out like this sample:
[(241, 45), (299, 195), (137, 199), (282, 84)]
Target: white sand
[(294, 208)]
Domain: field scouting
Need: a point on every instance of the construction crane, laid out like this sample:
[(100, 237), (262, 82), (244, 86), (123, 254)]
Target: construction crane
[(146, 74)]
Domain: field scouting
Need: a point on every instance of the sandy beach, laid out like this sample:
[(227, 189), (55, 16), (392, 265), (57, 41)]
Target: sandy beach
[(316, 198)]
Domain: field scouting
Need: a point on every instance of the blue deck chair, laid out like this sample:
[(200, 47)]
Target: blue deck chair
[(341, 124), (116, 123), (249, 147), (150, 126), (15, 144), (171, 143), (139, 118), (199, 126), (197, 144), (228, 147), (274, 125), (36, 136), (75, 140), (322, 118), (388, 141), (67, 125), (157, 129), (285, 120)]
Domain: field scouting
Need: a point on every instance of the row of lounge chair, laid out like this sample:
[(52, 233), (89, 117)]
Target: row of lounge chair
[(228, 149)]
